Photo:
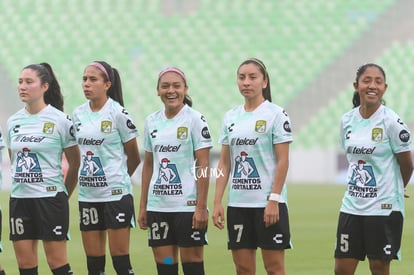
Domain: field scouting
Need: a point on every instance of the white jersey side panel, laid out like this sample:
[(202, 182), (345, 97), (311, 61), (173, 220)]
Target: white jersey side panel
[(103, 173), (250, 137), (37, 143), (375, 185), (173, 186)]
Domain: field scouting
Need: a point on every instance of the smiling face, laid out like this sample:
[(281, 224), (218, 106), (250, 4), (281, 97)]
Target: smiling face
[(371, 87), (172, 89), (251, 81), (30, 87)]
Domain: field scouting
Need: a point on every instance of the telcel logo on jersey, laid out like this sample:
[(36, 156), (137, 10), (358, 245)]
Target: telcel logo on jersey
[(31, 139), (167, 148), (361, 150), (244, 141), (90, 141)]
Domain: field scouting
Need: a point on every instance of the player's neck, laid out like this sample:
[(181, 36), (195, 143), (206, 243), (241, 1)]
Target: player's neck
[(97, 105), (35, 107), (250, 104), (367, 111), (171, 112)]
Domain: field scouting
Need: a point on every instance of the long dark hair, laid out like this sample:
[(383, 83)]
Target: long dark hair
[(111, 74), (53, 95), (356, 101), (265, 91)]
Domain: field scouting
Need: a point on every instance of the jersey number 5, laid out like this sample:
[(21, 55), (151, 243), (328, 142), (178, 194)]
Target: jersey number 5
[(344, 245)]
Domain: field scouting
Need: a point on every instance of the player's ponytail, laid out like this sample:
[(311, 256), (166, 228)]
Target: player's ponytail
[(111, 74), (53, 95), (115, 91), (188, 101)]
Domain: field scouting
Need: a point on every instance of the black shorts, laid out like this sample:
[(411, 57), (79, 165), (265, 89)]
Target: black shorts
[(107, 215), (246, 229), (39, 218), (174, 228), (376, 237)]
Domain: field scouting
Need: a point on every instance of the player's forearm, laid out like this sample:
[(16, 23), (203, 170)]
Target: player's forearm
[(202, 191), (406, 166), (71, 180), (145, 182), (280, 176), (133, 157), (73, 157), (221, 183), (202, 175)]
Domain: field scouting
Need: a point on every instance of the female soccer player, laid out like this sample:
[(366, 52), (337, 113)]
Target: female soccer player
[(378, 148), (254, 158), (106, 136), (37, 136), (175, 178)]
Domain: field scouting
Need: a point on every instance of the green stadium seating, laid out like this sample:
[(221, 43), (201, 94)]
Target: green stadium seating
[(295, 39)]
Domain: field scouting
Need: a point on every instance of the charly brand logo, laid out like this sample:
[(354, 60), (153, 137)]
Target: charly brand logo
[(203, 172)]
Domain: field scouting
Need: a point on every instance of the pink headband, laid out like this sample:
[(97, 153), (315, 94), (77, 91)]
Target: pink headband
[(100, 67), (172, 69)]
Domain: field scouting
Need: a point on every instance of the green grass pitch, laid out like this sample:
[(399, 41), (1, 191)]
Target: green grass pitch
[(313, 217)]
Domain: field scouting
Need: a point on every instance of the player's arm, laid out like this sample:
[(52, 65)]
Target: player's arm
[(271, 213), (72, 155), (147, 170), (406, 166), (223, 170), (132, 152), (200, 217)]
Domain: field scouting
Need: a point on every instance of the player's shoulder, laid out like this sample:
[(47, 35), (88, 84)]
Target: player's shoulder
[(81, 108), (389, 113), (115, 105), (349, 114), (192, 113), (392, 120), (51, 114), (113, 108), (271, 105), (17, 115), (236, 110), (273, 108), (157, 115), (52, 110)]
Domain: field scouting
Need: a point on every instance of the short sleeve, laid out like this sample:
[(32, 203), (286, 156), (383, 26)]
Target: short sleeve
[(281, 130)]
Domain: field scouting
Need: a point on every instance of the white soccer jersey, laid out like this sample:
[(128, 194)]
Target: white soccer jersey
[(36, 142), (103, 173), (173, 186), (251, 136), (375, 185)]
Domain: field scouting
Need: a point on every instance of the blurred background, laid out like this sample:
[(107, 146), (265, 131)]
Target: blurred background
[(312, 50)]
